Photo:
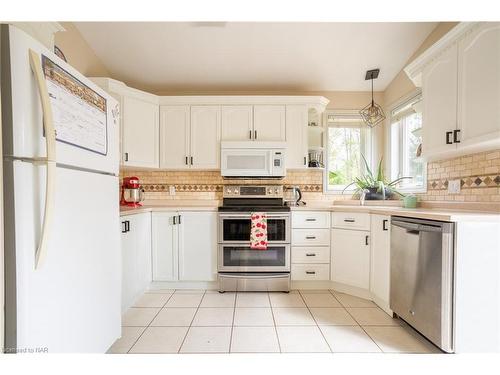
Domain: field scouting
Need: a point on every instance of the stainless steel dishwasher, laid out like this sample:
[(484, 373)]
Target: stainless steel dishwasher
[(422, 253)]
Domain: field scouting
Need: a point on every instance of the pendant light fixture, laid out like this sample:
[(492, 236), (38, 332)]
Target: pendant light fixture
[(372, 114)]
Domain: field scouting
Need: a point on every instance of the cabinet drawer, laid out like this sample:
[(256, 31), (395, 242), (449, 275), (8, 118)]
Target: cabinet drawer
[(351, 220), (311, 254), (310, 237), (310, 272), (310, 219)]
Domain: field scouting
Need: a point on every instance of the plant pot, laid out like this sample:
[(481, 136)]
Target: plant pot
[(374, 195)]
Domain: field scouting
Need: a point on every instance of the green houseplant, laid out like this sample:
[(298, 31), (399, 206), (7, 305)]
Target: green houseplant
[(376, 186)]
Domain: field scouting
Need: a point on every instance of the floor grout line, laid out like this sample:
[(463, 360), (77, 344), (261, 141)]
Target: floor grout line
[(232, 324), (191, 324), (135, 342), (274, 321), (317, 325)]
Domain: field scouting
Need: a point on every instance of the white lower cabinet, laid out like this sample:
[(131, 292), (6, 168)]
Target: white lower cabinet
[(136, 257), (350, 261), (184, 246), (380, 259), (164, 240), (310, 246), (198, 246)]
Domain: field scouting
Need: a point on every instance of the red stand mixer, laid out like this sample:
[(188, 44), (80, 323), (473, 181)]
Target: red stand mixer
[(132, 192)]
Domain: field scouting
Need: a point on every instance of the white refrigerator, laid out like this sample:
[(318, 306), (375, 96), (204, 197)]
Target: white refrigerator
[(61, 196)]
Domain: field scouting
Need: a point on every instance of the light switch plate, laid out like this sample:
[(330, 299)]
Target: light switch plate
[(454, 186), (171, 190)]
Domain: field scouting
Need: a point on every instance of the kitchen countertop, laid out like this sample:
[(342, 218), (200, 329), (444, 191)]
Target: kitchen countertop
[(390, 208)]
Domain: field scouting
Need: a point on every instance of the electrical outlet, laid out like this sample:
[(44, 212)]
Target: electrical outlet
[(171, 190), (454, 186)]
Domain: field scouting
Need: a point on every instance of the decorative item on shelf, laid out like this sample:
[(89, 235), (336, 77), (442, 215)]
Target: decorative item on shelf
[(418, 153), (372, 114), (375, 186), (316, 158)]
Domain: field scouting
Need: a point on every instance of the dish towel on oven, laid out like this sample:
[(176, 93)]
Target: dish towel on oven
[(258, 232)]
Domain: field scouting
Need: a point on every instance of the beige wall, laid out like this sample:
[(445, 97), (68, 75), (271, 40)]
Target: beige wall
[(78, 52), (401, 84)]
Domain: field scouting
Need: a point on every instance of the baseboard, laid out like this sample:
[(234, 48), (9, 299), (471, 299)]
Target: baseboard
[(209, 285)]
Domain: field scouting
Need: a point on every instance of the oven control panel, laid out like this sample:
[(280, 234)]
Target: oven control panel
[(253, 191)]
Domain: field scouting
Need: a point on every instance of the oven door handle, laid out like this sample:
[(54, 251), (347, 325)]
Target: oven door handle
[(257, 276)]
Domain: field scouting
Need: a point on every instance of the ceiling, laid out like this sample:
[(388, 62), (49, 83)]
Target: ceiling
[(190, 56)]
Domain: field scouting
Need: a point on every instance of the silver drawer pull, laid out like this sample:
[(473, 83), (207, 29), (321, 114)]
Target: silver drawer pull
[(311, 272), (310, 219), (310, 237), (310, 255), (349, 220)]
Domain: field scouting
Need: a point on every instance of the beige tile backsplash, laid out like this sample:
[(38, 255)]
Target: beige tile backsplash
[(479, 175), (208, 184)]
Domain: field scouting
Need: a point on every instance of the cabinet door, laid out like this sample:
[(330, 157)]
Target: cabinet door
[(129, 256), (237, 122), (350, 263), (142, 229), (205, 137), (164, 240), (174, 136), (380, 258), (198, 246), (269, 122), (439, 95), (296, 136), (479, 86), (140, 140)]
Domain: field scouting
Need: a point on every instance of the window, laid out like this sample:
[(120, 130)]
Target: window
[(347, 140), (406, 140)]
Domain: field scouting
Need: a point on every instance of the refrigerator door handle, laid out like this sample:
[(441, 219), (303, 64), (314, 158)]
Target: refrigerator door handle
[(50, 139)]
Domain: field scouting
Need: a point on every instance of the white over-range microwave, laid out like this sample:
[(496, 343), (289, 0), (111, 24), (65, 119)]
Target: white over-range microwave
[(253, 159)]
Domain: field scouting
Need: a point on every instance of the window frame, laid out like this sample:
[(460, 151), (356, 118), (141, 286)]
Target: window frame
[(396, 164), (366, 145)]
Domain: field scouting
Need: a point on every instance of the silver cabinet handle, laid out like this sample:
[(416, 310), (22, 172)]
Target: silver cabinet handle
[(310, 237), (311, 272), (366, 240), (255, 134), (178, 219), (310, 255), (126, 156), (305, 161), (310, 219), (174, 220), (349, 220), (187, 163), (250, 134), (191, 160)]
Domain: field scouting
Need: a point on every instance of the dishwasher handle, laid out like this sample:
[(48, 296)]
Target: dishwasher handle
[(414, 227)]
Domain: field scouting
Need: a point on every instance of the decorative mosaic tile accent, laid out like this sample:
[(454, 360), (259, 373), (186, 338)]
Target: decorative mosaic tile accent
[(467, 182), (479, 176)]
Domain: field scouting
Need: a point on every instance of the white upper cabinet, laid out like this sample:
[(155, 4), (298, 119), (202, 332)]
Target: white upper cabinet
[(140, 143), (439, 95), (479, 86), (269, 122), (198, 246), (460, 80), (139, 124), (205, 137), (296, 136), (174, 136), (237, 122)]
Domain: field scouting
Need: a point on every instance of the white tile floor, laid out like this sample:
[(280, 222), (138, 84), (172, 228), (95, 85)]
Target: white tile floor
[(316, 321)]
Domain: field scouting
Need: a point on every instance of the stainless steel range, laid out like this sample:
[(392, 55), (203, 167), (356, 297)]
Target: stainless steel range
[(241, 268)]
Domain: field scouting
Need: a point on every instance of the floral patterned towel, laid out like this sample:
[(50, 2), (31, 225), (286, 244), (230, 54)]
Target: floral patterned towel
[(258, 232)]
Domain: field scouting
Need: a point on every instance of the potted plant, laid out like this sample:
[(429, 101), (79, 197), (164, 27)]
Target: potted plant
[(375, 185)]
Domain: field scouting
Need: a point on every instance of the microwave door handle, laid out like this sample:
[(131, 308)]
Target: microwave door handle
[(50, 160)]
